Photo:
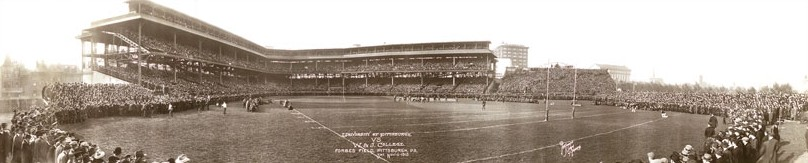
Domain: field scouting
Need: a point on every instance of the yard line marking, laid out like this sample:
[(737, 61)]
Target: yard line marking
[(549, 146), (511, 124), (450, 122), (349, 140)]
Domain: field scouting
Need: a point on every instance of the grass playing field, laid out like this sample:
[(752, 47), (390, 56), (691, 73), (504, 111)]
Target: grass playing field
[(439, 132)]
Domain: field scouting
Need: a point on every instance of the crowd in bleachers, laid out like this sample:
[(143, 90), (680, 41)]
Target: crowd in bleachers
[(589, 82), (156, 44), (195, 52), (416, 66)]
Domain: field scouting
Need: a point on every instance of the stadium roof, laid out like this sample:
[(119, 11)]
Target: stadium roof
[(190, 17), (613, 67)]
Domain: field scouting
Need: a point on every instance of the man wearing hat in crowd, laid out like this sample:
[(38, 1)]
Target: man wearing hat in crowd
[(776, 132), (707, 158), (713, 120), (4, 141), (768, 152), (116, 155), (688, 152), (806, 136), (16, 146), (749, 151), (41, 147), (126, 159), (140, 157), (98, 156), (709, 131), (62, 146), (182, 159), (723, 155), (66, 152)]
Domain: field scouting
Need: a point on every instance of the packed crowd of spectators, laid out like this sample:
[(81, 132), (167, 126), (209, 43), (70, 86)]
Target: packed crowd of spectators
[(748, 115), (34, 137), (416, 66), (784, 105), (75, 102), (195, 52), (562, 81), (156, 44)]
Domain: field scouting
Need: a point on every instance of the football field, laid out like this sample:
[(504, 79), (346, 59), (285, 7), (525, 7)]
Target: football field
[(377, 129)]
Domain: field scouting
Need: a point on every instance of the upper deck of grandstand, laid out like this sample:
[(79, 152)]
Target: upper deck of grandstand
[(148, 17)]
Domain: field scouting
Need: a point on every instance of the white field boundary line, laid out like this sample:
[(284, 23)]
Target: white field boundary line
[(338, 135), (472, 115), (549, 146), (438, 113), (365, 108), (371, 112), (511, 124), (450, 122), (415, 116), (455, 112)]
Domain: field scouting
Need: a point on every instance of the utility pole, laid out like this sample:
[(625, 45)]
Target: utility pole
[(547, 95), (574, 91)]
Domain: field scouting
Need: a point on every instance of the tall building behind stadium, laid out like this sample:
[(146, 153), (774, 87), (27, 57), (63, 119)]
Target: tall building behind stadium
[(163, 49), (619, 73), (516, 53)]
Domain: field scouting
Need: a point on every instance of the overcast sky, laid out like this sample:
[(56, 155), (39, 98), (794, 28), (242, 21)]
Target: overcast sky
[(729, 42)]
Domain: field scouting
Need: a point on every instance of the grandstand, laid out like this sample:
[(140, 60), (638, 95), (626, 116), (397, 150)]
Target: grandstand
[(162, 49)]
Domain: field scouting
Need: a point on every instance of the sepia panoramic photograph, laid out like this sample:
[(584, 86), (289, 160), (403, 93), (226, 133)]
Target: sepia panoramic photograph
[(389, 81)]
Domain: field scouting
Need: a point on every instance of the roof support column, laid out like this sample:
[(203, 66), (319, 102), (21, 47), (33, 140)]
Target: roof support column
[(92, 53), (199, 47), (343, 82), (107, 50), (139, 56), (422, 76), (454, 77), (488, 69), (83, 52)]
